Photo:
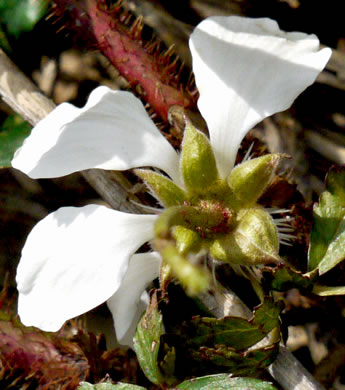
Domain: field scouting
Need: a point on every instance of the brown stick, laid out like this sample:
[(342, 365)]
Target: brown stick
[(23, 97)]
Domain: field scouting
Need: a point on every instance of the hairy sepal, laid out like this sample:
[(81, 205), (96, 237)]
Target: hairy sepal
[(198, 163), (162, 188), (254, 240), (249, 180)]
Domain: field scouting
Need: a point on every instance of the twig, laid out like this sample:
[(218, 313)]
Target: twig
[(21, 94), (327, 148), (24, 97)]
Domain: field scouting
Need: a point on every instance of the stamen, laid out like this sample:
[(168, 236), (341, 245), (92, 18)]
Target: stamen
[(150, 209), (284, 219), (274, 210), (213, 268), (248, 156), (283, 225), (286, 236), (285, 229)]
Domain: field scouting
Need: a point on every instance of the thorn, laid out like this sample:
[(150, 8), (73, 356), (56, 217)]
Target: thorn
[(137, 28), (170, 51), (50, 15), (248, 156), (178, 75), (60, 29)]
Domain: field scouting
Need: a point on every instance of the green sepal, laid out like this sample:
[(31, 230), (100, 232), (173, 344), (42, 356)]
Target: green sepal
[(254, 241), (224, 382), (197, 160), (250, 179), (164, 190), (195, 279), (187, 240), (109, 386), (174, 216), (327, 240)]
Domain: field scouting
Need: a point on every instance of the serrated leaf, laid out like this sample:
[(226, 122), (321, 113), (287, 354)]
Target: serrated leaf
[(234, 332), (147, 343), (237, 363), (224, 382), (167, 364), (21, 15), (327, 241), (12, 134), (326, 291), (109, 386), (283, 278)]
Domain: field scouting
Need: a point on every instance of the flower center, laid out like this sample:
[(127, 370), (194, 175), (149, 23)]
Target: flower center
[(211, 218)]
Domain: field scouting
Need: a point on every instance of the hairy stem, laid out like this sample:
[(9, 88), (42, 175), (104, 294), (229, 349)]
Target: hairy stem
[(152, 75)]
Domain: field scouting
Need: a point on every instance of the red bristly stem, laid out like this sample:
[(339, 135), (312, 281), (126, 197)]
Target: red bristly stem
[(152, 75)]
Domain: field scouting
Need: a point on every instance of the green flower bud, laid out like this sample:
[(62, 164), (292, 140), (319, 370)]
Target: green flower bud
[(253, 241), (166, 191), (249, 180), (197, 161)]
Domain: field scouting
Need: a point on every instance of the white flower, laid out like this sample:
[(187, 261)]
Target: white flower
[(77, 258)]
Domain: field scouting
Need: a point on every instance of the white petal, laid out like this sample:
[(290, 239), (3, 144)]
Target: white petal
[(112, 131), (129, 301), (245, 70), (74, 260)]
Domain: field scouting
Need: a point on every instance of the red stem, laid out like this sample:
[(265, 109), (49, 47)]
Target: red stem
[(152, 75)]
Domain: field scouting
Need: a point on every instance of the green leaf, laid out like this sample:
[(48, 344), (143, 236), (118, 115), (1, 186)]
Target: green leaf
[(233, 332), (12, 134), (327, 241), (167, 365), (326, 291), (147, 343), (224, 382), (283, 278), (108, 386), (21, 15), (4, 41), (237, 363)]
